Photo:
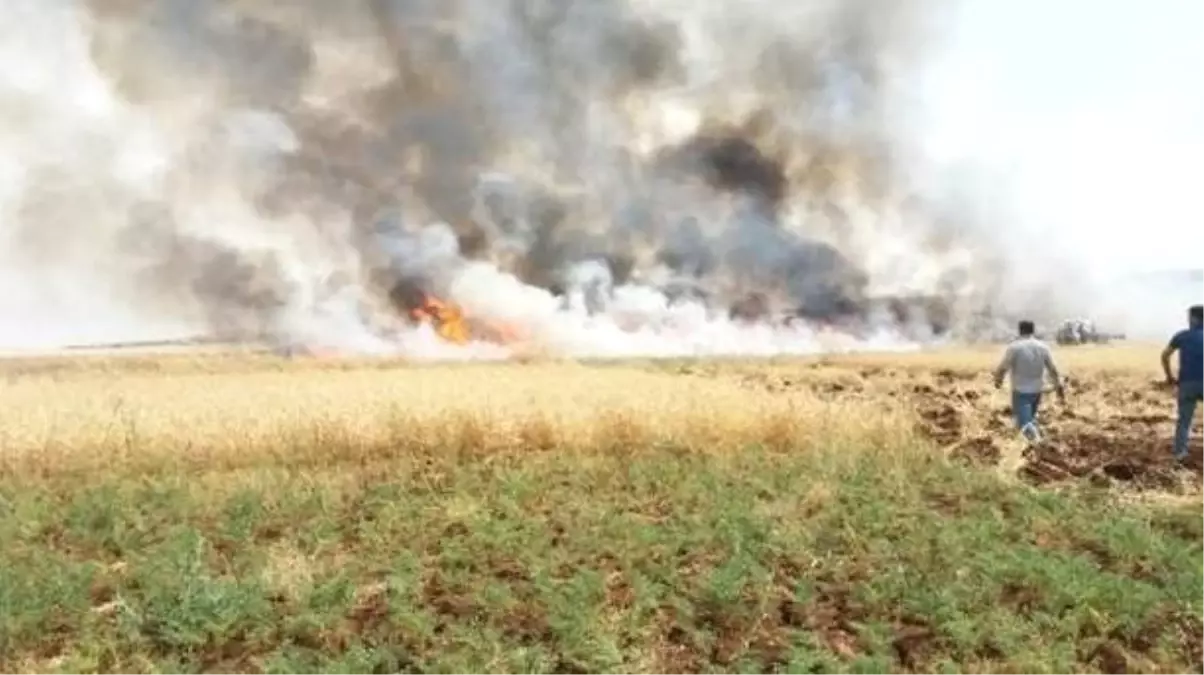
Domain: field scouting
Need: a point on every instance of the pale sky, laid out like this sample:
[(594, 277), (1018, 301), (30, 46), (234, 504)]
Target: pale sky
[(1095, 109)]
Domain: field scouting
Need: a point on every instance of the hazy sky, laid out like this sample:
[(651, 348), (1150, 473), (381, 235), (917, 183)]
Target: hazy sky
[(1095, 110)]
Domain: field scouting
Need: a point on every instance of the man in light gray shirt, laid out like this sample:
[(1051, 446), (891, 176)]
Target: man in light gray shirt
[(1026, 359)]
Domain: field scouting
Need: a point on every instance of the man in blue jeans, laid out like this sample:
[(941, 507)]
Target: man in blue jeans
[(1189, 342), (1027, 359)]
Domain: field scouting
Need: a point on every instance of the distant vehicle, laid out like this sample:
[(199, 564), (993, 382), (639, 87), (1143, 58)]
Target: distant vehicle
[(1083, 331)]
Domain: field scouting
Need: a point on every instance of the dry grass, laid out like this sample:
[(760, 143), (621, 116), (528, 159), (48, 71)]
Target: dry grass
[(93, 418), (1122, 357)]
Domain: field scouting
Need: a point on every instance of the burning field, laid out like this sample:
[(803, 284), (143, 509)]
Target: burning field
[(239, 511), (592, 178), (495, 220)]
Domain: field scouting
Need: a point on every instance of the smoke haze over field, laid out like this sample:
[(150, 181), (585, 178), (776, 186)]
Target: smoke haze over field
[(611, 176)]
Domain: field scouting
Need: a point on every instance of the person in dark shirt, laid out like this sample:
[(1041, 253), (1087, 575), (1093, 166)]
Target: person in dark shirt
[(1189, 342)]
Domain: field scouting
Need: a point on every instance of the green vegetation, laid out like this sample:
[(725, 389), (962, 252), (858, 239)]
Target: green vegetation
[(626, 559)]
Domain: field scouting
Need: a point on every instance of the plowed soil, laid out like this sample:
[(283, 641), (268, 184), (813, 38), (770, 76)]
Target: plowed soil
[(1113, 429), (1110, 430)]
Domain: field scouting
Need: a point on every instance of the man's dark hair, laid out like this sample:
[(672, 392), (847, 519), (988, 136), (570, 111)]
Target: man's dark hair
[(1195, 314), (1027, 328)]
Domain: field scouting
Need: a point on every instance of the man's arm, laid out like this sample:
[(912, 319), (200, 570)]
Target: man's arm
[(1004, 364), (1053, 373), (1167, 351)]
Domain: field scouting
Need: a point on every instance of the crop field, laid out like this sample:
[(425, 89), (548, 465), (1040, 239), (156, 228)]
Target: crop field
[(241, 512)]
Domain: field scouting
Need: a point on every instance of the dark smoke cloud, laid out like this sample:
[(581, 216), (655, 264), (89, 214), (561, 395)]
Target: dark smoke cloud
[(516, 123)]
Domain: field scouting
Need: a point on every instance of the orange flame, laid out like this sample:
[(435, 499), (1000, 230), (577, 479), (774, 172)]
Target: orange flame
[(446, 318), (449, 323)]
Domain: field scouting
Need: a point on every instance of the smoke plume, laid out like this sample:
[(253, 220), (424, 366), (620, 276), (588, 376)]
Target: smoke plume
[(611, 176)]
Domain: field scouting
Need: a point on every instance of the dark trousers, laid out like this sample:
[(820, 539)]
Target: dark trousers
[(1190, 393)]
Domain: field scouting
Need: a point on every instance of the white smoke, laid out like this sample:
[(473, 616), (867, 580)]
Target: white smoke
[(1079, 123), (222, 249)]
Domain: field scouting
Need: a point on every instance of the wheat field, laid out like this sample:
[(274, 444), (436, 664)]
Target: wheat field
[(233, 511), (100, 418)]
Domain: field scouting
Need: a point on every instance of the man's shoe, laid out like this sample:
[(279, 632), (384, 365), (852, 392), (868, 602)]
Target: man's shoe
[(1031, 433)]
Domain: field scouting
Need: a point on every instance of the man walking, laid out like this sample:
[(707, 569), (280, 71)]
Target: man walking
[(1190, 345), (1026, 359)]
